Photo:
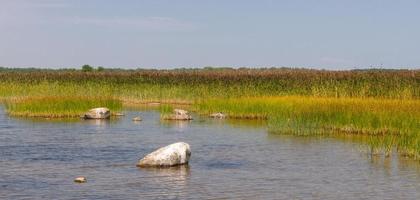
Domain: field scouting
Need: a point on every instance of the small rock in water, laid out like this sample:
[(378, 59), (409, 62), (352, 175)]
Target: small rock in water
[(178, 114), (119, 114), (97, 113), (80, 179), (137, 119), (218, 115), (171, 155)]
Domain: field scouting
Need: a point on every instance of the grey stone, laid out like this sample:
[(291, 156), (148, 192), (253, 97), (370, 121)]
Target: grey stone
[(218, 115), (97, 113), (178, 114), (137, 118), (171, 155), (80, 179)]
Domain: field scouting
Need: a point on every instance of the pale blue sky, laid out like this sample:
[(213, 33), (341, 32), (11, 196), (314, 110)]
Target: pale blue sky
[(330, 34)]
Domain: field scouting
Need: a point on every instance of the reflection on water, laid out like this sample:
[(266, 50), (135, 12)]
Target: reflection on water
[(165, 183), (177, 172), (136, 122), (408, 164), (179, 124), (176, 175), (97, 122), (39, 158), (246, 123), (48, 120)]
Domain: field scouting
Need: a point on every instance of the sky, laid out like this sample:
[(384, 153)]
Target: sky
[(323, 34)]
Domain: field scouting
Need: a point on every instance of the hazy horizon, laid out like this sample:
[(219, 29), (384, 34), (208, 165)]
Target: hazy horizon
[(325, 34)]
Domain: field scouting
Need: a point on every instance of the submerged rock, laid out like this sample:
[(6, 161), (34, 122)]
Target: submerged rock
[(178, 114), (118, 114), (137, 118), (171, 155), (80, 179), (177, 117), (218, 115), (97, 113)]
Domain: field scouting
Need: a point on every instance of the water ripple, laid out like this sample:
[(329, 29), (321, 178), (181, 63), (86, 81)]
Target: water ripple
[(40, 159)]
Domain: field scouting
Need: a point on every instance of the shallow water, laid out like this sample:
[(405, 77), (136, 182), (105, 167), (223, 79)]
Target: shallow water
[(230, 160)]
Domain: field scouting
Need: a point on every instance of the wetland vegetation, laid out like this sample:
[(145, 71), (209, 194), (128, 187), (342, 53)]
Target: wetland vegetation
[(377, 103), (58, 106)]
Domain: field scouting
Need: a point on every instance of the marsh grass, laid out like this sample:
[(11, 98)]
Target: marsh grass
[(314, 114), (58, 106), (187, 86), (389, 123), (192, 84), (165, 109)]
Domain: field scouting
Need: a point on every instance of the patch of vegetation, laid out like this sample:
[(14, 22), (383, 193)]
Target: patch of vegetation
[(53, 107), (399, 119)]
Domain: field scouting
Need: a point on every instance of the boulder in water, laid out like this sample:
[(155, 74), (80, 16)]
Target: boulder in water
[(118, 114), (171, 155), (136, 119), (218, 115), (97, 113), (178, 114)]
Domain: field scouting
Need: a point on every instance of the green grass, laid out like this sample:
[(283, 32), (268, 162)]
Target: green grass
[(54, 107), (299, 115), (311, 114), (166, 109)]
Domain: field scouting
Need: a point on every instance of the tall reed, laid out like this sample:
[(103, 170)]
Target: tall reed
[(192, 84)]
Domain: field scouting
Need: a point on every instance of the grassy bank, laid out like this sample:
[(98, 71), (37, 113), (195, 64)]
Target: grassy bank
[(54, 107), (302, 115), (395, 119)]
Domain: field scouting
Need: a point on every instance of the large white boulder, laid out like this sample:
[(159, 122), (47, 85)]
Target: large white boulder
[(175, 154), (97, 113)]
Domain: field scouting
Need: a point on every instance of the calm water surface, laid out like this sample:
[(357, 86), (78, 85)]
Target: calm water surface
[(40, 159)]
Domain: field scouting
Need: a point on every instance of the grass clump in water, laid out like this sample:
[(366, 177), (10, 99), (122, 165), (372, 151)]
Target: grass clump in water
[(58, 106), (165, 110), (321, 115)]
